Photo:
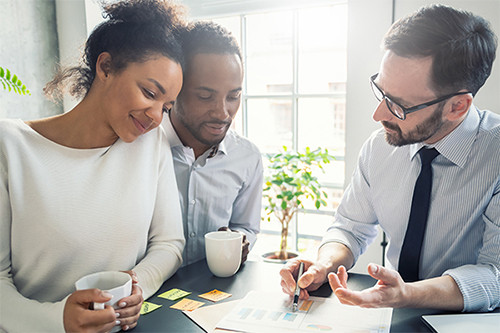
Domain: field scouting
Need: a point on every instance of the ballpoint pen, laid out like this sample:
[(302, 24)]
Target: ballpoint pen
[(297, 288)]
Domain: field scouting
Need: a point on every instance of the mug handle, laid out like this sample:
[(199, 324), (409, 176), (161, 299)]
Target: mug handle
[(98, 306)]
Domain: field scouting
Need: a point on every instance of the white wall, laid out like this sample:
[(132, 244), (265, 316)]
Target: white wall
[(72, 32), (29, 48), (367, 23)]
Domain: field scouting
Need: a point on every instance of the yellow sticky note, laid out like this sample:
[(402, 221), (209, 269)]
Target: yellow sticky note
[(187, 305), (174, 294), (215, 295), (148, 307)]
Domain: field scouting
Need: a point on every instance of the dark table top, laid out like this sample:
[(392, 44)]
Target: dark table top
[(197, 279)]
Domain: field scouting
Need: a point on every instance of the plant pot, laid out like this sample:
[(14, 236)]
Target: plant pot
[(273, 257)]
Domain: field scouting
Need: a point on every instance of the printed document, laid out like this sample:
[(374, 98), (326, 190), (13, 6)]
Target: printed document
[(262, 312)]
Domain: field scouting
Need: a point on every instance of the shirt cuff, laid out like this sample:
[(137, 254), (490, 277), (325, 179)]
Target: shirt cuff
[(479, 286)]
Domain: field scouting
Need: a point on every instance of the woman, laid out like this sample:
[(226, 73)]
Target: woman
[(79, 191)]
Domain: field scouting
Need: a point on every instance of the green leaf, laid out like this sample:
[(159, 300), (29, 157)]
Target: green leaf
[(11, 82)]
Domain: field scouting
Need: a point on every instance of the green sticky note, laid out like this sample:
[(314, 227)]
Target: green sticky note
[(148, 307), (174, 294)]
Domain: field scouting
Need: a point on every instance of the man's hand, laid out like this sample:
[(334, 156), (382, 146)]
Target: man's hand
[(77, 316), (245, 250), (313, 277), (390, 290)]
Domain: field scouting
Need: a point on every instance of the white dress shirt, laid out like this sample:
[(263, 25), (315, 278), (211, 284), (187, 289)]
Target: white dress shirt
[(223, 190), (462, 238)]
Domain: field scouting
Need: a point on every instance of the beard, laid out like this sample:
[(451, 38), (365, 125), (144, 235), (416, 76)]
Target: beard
[(196, 128), (422, 132)]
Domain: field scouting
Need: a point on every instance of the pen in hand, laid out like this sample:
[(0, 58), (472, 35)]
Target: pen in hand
[(297, 289)]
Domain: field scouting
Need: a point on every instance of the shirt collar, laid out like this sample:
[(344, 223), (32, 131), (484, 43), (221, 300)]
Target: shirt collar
[(457, 145), (172, 137), (175, 141)]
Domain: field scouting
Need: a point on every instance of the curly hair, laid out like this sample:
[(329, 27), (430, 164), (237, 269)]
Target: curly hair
[(461, 44), (207, 37), (134, 30)]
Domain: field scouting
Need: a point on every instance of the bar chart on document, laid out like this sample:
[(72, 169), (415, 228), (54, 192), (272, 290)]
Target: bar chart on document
[(272, 312)]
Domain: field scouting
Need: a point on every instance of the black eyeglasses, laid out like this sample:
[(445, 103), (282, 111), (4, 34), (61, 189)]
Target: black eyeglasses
[(397, 109)]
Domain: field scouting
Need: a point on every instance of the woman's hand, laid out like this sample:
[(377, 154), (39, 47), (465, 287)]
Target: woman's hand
[(78, 317), (129, 309)]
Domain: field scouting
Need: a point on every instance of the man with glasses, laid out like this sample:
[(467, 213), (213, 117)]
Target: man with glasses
[(430, 177)]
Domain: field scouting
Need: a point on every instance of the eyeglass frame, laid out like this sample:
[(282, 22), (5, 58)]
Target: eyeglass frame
[(389, 101)]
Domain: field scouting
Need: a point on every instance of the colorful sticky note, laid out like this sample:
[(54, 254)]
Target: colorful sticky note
[(174, 294), (148, 307), (215, 295), (187, 305), (306, 305)]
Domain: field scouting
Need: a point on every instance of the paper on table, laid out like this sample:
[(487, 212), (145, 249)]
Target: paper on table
[(271, 312), (208, 316), (464, 323)]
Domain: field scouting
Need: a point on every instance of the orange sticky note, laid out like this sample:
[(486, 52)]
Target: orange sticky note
[(305, 305), (187, 304), (215, 295)]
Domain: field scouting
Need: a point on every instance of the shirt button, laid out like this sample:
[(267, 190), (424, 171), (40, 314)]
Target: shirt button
[(193, 202), (192, 235)]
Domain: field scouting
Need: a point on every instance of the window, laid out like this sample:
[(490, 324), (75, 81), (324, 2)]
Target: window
[(294, 95)]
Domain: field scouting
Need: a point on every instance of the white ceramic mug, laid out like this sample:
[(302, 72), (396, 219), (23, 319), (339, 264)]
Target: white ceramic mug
[(118, 284), (223, 251)]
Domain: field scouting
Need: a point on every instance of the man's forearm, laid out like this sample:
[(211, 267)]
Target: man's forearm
[(437, 293), (331, 255)]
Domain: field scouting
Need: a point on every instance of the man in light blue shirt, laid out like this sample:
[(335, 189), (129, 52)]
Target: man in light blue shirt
[(435, 62), (219, 173)]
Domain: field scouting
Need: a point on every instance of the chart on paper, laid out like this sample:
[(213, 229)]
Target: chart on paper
[(271, 312)]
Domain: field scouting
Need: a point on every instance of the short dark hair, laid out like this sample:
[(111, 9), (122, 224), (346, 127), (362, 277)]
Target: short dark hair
[(208, 37), (461, 44), (134, 30)]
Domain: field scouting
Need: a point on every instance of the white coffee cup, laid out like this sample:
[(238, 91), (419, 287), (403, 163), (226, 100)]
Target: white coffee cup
[(118, 284), (223, 251)]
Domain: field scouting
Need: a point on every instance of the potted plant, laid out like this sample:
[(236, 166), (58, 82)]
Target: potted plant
[(11, 82), (290, 182)]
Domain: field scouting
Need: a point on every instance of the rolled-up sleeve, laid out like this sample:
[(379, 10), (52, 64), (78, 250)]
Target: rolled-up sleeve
[(480, 283)]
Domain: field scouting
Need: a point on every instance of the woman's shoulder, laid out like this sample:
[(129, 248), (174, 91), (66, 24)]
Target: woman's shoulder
[(11, 127)]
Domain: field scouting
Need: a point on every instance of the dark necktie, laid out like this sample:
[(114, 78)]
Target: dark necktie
[(410, 251)]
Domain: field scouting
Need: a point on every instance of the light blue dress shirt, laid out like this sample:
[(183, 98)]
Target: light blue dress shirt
[(462, 238), (223, 190)]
